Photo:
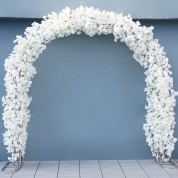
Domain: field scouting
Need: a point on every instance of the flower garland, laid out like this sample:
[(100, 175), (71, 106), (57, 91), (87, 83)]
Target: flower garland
[(160, 117)]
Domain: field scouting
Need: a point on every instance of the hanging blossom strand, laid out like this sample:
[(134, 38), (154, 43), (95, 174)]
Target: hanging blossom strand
[(160, 96)]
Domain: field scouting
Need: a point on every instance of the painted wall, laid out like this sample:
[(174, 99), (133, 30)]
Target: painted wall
[(137, 8), (88, 98)]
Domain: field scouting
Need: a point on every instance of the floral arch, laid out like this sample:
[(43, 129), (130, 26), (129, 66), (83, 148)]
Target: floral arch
[(160, 117)]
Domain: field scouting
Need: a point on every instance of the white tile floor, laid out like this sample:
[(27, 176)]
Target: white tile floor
[(92, 169)]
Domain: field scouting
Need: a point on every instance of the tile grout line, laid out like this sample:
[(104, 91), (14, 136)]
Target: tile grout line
[(100, 169), (174, 162), (163, 169), (142, 168), (58, 169), (12, 175), (79, 170), (37, 169), (121, 168)]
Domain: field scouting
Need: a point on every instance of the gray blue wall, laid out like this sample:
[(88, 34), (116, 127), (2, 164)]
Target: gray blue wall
[(158, 9), (88, 98)]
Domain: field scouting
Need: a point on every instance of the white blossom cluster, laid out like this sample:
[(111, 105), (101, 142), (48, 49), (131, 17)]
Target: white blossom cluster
[(160, 117)]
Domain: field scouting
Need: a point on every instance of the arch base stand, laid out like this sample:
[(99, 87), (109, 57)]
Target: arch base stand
[(18, 164), (171, 164)]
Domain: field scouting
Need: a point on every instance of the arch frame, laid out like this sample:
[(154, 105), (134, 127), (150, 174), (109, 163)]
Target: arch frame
[(160, 95)]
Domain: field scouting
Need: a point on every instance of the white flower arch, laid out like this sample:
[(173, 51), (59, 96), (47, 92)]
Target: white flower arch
[(160, 119)]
